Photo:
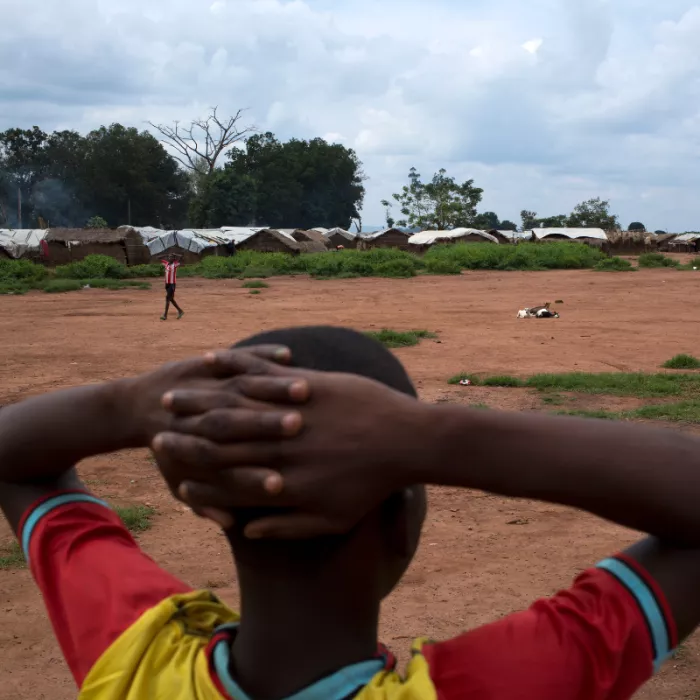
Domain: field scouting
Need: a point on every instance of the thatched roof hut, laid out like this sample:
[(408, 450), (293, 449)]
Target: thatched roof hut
[(21, 243), (386, 238), (663, 241), (269, 241), (502, 236), (339, 236), (631, 242), (425, 239), (66, 245), (311, 241), (685, 243)]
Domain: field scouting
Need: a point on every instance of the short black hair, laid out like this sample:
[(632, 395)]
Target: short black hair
[(335, 349)]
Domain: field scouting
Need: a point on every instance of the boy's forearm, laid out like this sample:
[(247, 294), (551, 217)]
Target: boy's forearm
[(641, 478), (42, 437)]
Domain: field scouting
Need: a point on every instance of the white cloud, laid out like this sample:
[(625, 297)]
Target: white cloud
[(543, 104)]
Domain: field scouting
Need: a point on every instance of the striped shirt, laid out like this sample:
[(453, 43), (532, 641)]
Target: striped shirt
[(170, 271)]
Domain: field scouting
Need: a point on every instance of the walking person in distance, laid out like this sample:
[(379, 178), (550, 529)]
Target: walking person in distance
[(171, 263)]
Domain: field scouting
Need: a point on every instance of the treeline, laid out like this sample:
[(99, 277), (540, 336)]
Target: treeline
[(117, 175)]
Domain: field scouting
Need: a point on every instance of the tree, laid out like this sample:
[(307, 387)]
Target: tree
[(387, 214), (199, 146), (593, 213), (96, 222), (440, 204), (128, 174), (530, 220), (298, 183), (636, 226), (225, 198), (64, 178), (508, 226), (487, 221)]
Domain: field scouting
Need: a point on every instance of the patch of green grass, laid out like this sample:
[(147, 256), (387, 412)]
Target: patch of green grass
[(504, 380), (255, 284), (681, 412), (136, 518), (480, 406), (11, 557), (618, 384), (440, 266), (59, 286), (656, 260), (682, 361), (13, 287), (614, 265), (151, 270), (253, 271), (399, 339), (254, 291), (598, 415)]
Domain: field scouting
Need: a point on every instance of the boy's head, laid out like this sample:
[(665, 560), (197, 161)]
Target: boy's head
[(383, 544)]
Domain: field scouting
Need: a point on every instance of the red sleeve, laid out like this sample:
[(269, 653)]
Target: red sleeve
[(164, 263), (591, 642), (95, 580)]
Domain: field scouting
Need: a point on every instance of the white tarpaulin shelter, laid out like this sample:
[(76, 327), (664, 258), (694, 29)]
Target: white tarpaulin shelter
[(430, 237), (19, 242), (572, 233)]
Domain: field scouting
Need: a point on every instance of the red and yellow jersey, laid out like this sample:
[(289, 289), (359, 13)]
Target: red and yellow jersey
[(131, 631)]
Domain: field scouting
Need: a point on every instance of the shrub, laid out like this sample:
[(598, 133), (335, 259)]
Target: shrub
[(254, 291), (255, 284), (152, 270), (61, 285), (23, 271), (438, 266), (656, 260), (682, 362), (12, 287), (614, 265), (256, 271), (395, 268), (524, 256), (93, 267)]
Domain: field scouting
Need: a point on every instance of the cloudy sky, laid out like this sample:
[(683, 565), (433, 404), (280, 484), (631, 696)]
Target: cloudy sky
[(544, 103)]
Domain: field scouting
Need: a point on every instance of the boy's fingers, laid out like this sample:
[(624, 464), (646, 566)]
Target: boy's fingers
[(291, 526), (192, 402), (194, 452), (287, 389), (239, 488), (259, 360), (229, 424)]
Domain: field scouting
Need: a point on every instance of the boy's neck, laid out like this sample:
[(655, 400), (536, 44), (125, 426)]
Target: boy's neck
[(291, 636)]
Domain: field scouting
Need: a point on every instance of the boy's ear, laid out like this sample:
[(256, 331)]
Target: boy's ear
[(403, 514)]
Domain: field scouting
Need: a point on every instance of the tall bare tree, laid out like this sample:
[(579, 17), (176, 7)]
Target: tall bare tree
[(198, 146)]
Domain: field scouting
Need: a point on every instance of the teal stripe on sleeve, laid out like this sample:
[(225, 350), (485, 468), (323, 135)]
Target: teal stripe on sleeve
[(649, 605), (46, 507)]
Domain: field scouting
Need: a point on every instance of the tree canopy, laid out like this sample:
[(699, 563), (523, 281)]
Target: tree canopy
[(269, 183), (439, 205), (636, 226), (593, 213), (65, 178)]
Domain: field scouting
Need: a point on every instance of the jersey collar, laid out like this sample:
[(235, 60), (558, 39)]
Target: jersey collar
[(342, 684)]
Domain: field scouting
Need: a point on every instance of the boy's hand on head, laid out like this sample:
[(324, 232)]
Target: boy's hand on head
[(348, 446), (145, 398)]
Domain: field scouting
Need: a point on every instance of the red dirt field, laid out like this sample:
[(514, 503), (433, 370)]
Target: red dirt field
[(481, 556)]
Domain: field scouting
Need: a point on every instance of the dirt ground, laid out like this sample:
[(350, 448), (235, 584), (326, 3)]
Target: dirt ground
[(481, 556)]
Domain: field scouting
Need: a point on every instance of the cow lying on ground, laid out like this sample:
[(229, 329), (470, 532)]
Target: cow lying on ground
[(538, 312)]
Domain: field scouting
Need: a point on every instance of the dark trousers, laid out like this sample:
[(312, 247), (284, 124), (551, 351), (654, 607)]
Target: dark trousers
[(170, 298)]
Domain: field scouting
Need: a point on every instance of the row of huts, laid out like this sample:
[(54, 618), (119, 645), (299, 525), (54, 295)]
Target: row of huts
[(141, 245)]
